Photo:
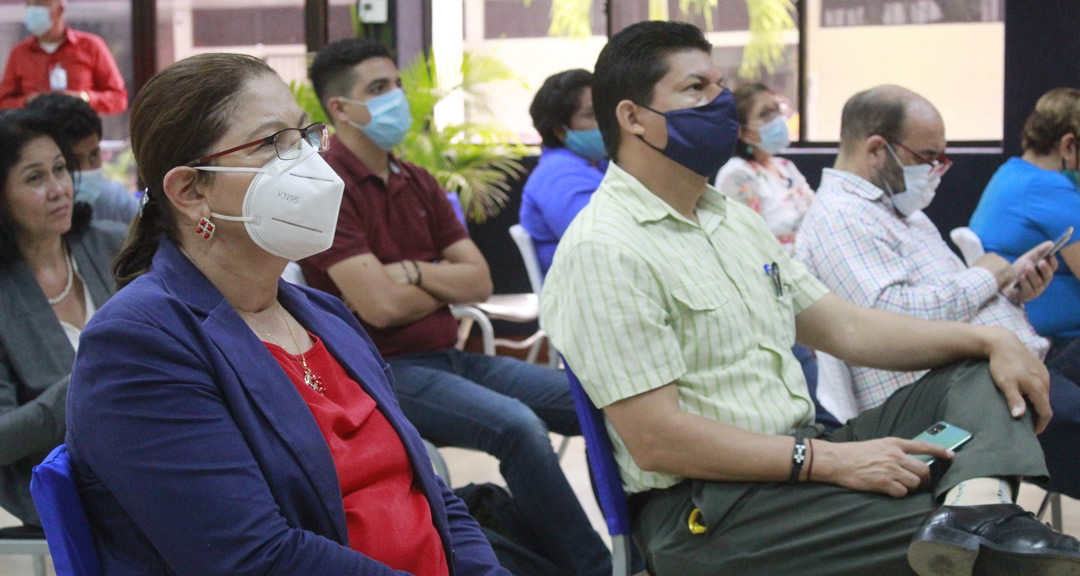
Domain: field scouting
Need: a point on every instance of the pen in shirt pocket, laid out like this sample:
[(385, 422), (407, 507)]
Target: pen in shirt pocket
[(773, 272)]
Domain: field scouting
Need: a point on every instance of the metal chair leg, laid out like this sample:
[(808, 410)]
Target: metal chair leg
[(1055, 516), (1052, 499), (1043, 507), (620, 555), (563, 446)]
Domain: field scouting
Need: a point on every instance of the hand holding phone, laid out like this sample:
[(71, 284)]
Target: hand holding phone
[(1060, 242), (942, 434)]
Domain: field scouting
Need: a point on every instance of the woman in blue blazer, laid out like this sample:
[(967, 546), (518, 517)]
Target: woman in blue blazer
[(197, 409)]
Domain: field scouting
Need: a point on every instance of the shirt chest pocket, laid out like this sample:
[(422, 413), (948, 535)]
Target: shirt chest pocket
[(700, 309)]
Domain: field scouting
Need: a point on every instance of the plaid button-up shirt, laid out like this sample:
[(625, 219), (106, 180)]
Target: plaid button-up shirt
[(855, 243)]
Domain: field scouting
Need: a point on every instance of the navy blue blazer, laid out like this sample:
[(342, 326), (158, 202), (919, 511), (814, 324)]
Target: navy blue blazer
[(195, 454)]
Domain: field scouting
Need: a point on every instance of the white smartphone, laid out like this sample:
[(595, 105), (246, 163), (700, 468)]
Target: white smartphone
[(942, 434), (1060, 242)]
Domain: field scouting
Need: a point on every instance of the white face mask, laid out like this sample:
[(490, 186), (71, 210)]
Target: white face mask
[(919, 187), (88, 184), (291, 207)]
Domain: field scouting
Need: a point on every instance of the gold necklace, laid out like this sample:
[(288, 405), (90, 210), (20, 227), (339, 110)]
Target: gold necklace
[(312, 380)]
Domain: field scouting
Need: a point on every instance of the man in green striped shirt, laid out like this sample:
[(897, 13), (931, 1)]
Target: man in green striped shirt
[(678, 310)]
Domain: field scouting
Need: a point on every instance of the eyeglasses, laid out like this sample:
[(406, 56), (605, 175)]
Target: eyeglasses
[(939, 164), (287, 143)]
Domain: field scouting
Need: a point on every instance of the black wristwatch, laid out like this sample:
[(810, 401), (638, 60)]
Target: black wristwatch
[(798, 457)]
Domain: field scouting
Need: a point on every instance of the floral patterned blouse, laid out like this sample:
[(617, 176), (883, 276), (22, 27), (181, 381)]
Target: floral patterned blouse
[(782, 201)]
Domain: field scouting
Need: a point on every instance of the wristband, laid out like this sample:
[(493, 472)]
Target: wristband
[(405, 269), (419, 276), (798, 456), (810, 466)]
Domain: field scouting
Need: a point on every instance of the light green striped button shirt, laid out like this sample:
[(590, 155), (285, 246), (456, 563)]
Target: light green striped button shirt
[(638, 297)]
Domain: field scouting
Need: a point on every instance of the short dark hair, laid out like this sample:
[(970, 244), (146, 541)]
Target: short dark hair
[(1056, 114), (17, 129), (880, 111), (332, 70), (73, 116), (631, 64), (556, 103), (744, 101)]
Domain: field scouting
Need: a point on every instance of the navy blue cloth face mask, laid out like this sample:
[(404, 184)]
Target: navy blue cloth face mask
[(701, 138)]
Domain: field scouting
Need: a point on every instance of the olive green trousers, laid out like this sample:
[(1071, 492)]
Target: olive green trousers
[(777, 529)]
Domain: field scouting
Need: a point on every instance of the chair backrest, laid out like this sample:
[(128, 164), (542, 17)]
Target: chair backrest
[(528, 254), (835, 390), (601, 456), (968, 242), (67, 528)]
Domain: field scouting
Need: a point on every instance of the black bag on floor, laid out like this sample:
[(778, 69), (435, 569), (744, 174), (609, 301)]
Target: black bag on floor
[(507, 530)]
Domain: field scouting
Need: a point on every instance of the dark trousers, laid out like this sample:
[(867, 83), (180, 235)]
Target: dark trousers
[(810, 529), (505, 407), (1062, 437)]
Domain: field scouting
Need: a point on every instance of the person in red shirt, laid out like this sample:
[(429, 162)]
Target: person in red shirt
[(56, 58), (399, 257), (221, 420)]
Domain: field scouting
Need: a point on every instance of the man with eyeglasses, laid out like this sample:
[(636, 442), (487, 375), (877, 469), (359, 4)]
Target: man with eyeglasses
[(868, 240)]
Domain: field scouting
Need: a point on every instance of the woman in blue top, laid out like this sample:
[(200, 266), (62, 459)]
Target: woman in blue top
[(1035, 198), (572, 162)]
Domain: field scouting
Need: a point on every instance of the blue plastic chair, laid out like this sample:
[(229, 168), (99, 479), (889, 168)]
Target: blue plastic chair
[(605, 472), (67, 529)]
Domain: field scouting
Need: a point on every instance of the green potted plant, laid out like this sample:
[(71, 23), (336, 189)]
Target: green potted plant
[(474, 159)]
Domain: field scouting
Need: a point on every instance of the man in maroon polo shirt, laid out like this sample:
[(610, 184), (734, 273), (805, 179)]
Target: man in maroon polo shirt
[(399, 258)]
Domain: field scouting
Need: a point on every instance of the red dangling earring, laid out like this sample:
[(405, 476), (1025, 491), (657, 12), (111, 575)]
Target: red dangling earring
[(206, 228)]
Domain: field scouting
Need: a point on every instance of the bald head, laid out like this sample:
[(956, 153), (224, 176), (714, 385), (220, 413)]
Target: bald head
[(885, 128), (884, 111)]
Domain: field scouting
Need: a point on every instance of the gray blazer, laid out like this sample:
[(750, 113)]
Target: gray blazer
[(36, 360)]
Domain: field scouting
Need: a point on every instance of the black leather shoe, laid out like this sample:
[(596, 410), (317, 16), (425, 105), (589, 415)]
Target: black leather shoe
[(991, 540)]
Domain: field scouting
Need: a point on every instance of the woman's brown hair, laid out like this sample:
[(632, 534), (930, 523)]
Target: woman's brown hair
[(744, 101), (1056, 114), (176, 118)]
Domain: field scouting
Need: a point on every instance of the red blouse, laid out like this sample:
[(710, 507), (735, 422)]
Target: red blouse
[(388, 516)]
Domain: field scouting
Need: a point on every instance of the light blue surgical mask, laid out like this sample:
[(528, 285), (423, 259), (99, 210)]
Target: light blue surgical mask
[(37, 20), (88, 185), (588, 144), (774, 136), (390, 118)]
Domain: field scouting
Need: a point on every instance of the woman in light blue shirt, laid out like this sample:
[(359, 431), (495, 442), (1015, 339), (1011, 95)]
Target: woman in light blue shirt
[(572, 162)]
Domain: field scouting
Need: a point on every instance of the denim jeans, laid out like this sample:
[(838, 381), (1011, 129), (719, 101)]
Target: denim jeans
[(505, 407), (1064, 356)]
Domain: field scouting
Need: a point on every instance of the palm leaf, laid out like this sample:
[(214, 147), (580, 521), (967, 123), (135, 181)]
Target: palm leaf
[(768, 21), (308, 101), (474, 160)]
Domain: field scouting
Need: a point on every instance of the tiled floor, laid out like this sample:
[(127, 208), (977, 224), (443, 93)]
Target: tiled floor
[(470, 466)]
